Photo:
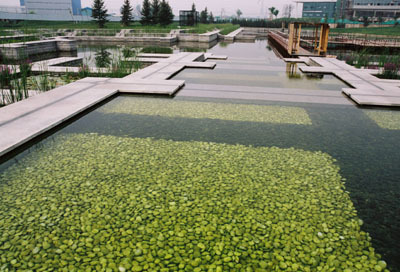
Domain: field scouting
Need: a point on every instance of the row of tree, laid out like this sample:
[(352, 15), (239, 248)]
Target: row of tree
[(205, 18), (160, 12), (156, 12)]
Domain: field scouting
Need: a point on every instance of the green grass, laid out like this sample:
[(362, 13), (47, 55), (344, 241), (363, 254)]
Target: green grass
[(26, 39), (157, 50), (29, 26), (81, 25), (228, 29), (389, 31), (203, 28)]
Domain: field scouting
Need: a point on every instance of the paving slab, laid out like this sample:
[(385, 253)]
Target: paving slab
[(139, 81), (211, 56), (24, 120), (368, 89), (153, 55), (370, 92), (267, 90), (25, 127), (136, 88), (294, 60), (43, 100), (266, 97), (365, 100)]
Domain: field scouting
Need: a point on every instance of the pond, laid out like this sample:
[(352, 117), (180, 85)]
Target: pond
[(198, 183)]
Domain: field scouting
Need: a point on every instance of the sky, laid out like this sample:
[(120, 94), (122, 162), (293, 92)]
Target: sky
[(250, 8)]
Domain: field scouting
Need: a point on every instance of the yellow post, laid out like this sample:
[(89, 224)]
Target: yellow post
[(290, 42), (320, 40), (298, 38), (325, 39)]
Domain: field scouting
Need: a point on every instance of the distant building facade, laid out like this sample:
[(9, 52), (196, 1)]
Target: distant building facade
[(374, 8), (76, 7), (319, 9), (87, 12), (350, 9), (62, 8)]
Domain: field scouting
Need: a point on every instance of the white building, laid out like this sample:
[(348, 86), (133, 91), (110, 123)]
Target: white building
[(62, 8), (47, 10)]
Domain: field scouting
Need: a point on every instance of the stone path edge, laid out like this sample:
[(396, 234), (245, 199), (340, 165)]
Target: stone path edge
[(26, 120)]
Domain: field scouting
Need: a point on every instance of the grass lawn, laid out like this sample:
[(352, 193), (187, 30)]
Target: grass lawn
[(27, 26), (390, 31)]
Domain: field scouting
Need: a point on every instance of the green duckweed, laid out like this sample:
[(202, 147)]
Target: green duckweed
[(85, 202), (385, 119), (222, 111)]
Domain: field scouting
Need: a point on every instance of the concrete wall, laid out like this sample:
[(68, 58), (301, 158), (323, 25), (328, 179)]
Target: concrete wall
[(206, 37), (23, 50), (117, 39)]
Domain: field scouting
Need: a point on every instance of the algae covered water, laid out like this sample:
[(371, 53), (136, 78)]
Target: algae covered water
[(203, 184)]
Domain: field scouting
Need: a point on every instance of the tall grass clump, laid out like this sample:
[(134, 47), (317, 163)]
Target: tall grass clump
[(387, 62), (157, 50), (390, 71), (13, 82)]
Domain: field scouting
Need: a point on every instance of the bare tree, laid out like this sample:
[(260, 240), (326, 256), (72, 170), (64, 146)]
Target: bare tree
[(287, 10)]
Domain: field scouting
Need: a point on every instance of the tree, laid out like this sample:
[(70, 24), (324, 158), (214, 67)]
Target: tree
[(155, 12), (146, 13), (166, 15), (271, 10), (365, 21), (204, 16), (194, 18), (239, 13), (99, 13), (276, 12), (126, 12), (211, 18)]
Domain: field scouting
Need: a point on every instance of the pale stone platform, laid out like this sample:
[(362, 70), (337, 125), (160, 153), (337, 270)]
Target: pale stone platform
[(231, 36), (264, 94), (367, 89), (165, 68), (24, 120)]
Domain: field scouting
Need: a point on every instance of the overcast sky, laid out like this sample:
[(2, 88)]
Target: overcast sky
[(250, 8)]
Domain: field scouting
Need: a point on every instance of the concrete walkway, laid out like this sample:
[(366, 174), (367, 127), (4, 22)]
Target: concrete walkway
[(368, 90), (24, 120), (232, 36)]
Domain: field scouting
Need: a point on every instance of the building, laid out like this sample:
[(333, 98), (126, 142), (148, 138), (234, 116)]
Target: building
[(188, 17), (350, 9), (87, 12), (374, 8), (318, 9), (62, 8), (76, 7)]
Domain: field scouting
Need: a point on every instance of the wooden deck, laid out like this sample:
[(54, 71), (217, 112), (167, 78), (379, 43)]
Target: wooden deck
[(283, 43)]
